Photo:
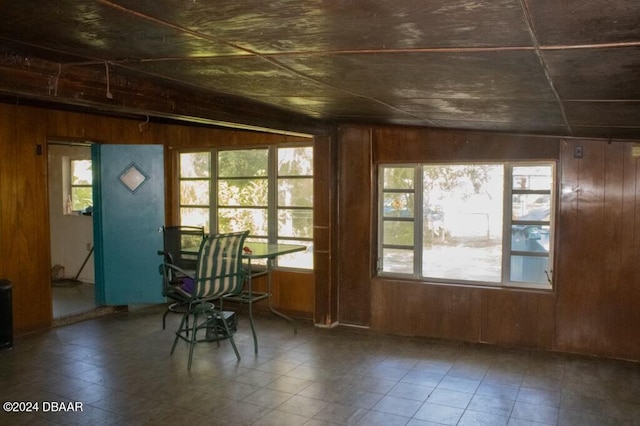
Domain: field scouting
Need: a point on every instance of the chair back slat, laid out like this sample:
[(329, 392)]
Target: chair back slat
[(219, 267)]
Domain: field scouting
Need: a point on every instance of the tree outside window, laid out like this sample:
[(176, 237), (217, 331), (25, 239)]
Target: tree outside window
[(195, 184), (473, 223), (81, 194), (268, 191)]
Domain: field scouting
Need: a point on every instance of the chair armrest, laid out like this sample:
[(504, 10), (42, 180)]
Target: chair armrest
[(171, 288), (177, 269)]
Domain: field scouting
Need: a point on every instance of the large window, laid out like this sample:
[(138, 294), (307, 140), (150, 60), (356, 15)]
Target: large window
[(268, 191), (468, 223)]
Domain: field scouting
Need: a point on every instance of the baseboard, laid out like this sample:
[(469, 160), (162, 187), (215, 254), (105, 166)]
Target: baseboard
[(332, 325), (95, 313)]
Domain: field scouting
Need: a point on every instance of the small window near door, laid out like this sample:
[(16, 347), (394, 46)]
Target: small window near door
[(80, 196)]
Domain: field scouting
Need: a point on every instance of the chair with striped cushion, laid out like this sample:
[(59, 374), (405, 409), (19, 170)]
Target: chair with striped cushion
[(218, 272)]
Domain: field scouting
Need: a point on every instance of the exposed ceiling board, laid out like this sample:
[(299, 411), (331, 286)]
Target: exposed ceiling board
[(279, 26), (592, 22), (92, 30), (524, 66), (429, 75), (596, 74), (249, 76), (606, 114)]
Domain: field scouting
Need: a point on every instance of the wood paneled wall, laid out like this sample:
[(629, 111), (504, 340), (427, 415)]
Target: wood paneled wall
[(354, 258), (324, 230), (594, 307), (598, 296), (24, 225), (24, 242)]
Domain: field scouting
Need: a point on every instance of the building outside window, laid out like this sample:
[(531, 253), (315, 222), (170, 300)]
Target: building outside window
[(267, 190), (485, 224)]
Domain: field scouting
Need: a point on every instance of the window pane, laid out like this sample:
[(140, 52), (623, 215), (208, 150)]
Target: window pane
[(462, 261), (529, 269), (398, 201), (295, 192), (243, 163), (463, 217), (81, 172), (532, 177), (462, 230), (241, 219), (398, 178), (194, 192), (398, 205), (243, 192), (295, 223), (195, 164), (195, 216), (295, 161), (301, 259), (397, 261), (82, 197), (532, 238), (398, 233), (190, 245), (531, 207)]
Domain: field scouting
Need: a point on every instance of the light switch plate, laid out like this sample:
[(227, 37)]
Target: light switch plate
[(578, 152)]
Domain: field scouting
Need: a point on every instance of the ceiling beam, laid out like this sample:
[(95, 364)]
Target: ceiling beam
[(100, 87)]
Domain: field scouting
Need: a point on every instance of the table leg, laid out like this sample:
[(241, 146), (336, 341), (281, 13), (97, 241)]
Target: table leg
[(271, 308), (253, 328)]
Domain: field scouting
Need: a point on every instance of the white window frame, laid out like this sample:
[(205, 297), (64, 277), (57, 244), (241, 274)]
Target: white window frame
[(69, 202), (507, 222), (272, 206)]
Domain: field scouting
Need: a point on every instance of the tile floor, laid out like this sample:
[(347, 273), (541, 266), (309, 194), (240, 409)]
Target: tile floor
[(119, 368), (72, 299)]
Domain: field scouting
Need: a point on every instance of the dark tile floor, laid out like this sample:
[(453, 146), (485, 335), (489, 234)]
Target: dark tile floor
[(119, 368)]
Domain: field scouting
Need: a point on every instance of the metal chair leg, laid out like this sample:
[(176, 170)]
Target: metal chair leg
[(228, 331), (175, 341), (192, 342)]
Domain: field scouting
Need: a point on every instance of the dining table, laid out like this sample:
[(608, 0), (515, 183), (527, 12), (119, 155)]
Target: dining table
[(257, 251)]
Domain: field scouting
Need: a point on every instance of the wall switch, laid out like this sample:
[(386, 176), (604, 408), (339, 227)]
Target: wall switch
[(577, 152)]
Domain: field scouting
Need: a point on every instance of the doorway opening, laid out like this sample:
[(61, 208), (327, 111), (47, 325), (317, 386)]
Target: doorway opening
[(71, 229)]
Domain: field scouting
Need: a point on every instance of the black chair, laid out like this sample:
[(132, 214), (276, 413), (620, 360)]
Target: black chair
[(181, 246), (219, 271)]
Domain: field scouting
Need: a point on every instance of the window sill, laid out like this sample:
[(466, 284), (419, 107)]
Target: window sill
[(546, 289), (78, 213)]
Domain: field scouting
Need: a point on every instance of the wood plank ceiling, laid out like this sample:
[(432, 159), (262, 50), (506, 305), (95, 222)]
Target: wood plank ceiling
[(551, 67)]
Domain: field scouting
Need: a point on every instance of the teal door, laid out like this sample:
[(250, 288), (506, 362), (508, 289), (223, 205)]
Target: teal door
[(128, 213)]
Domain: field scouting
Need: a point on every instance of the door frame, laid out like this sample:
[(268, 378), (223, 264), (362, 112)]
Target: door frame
[(89, 259)]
